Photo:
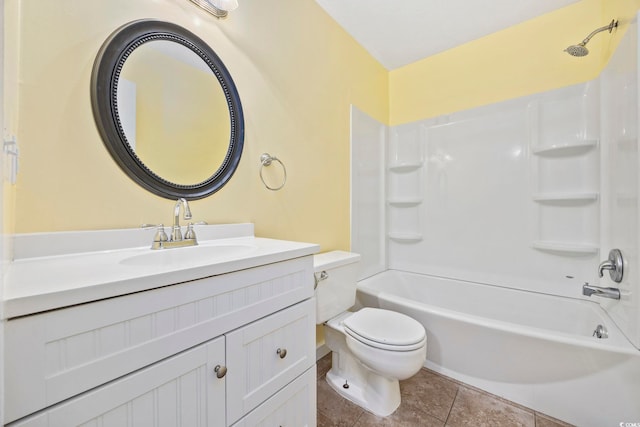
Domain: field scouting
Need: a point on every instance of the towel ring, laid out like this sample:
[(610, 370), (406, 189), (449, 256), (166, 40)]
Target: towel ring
[(266, 159)]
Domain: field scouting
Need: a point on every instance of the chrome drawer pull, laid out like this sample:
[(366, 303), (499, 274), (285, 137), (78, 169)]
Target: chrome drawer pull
[(282, 352), (220, 371)]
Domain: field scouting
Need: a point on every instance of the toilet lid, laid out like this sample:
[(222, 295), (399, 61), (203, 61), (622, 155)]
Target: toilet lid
[(384, 327)]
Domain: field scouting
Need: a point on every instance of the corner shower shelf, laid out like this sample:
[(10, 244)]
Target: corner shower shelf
[(405, 237), (405, 202), (565, 197), (574, 248), (405, 166), (566, 149)]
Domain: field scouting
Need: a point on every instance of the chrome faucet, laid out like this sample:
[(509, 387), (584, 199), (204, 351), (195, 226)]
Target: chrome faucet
[(588, 290), (161, 241), (176, 232)]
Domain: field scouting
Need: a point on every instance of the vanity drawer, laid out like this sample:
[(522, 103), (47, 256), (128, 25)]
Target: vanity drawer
[(56, 355), (256, 360), (293, 406)]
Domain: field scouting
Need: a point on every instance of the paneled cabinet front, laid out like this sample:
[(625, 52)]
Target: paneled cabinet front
[(183, 390), (150, 357), (266, 355)]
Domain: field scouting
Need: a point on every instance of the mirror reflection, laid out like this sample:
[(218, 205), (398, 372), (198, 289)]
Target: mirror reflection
[(173, 112)]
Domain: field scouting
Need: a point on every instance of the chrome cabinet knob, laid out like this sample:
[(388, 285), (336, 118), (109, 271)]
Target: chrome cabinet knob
[(220, 371), (282, 352)]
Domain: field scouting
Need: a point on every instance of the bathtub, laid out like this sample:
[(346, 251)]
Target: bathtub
[(533, 349)]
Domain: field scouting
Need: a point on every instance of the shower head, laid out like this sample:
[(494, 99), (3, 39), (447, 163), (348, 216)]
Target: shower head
[(580, 49), (577, 50)]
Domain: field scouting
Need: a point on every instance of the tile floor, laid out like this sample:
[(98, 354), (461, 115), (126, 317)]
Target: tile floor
[(428, 400)]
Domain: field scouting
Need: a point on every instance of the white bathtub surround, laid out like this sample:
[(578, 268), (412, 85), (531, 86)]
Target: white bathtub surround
[(492, 194), (619, 186), (368, 237), (497, 339), (526, 196)]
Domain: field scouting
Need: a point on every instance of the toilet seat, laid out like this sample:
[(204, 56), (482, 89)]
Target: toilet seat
[(385, 329)]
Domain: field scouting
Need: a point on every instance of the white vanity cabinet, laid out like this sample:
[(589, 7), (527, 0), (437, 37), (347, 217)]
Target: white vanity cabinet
[(150, 358)]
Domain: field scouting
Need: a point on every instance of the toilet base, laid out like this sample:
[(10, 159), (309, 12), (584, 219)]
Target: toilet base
[(374, 393)]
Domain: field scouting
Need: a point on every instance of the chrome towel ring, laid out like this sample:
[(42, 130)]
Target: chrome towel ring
[(266, 159)]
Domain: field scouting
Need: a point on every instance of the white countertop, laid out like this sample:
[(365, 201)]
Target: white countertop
[(39, 282)]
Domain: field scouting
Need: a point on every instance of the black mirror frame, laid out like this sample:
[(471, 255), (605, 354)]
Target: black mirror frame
[(104, 85)]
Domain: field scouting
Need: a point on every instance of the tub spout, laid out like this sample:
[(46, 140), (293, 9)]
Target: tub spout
[(588, 290)]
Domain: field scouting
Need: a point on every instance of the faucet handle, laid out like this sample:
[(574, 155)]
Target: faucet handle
[(160, 236), (190, 234), (615, 265)]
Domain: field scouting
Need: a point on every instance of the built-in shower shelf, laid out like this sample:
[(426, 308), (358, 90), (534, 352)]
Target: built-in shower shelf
[(570, 248), (405, 202), (405, 237), (566, 149), (405, 166), (565, 197)]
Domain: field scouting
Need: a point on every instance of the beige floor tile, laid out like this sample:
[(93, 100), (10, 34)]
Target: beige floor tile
[(323, 365), (429, 393), (336, 410), (403, 417), (428, 400), (545, 421), (473, 408)]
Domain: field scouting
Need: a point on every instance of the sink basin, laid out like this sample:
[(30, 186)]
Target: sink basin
[(195, 255)]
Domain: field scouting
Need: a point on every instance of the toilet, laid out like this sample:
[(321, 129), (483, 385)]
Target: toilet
[(372, 348)]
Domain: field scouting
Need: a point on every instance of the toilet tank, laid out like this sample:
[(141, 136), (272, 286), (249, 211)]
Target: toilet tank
[(336, 293)]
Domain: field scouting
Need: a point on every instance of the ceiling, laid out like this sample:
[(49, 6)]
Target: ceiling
[(399, 32)]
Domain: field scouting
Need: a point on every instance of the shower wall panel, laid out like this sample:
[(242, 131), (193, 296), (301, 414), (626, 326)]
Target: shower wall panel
[(620, 187), (505, 194), (368, 192)]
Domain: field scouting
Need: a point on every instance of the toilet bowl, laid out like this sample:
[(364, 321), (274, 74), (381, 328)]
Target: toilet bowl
[(372, 349)]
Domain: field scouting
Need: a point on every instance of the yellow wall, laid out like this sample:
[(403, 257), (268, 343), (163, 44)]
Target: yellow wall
[(297, 73), (296, 70), (521, 60)]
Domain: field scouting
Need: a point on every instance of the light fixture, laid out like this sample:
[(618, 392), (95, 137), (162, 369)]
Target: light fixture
[(218, 8)]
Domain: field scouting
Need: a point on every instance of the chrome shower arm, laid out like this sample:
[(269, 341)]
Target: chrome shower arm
[(609, 27)]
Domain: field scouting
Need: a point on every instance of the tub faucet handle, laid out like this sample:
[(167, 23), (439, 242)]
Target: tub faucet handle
[(605, 265), (614, 264)]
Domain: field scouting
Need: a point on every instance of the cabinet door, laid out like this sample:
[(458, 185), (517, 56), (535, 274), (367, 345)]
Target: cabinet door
[(258, 366), (183, 390), (293, 406)]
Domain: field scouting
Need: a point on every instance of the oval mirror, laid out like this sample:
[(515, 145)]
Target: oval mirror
[(167, 109)]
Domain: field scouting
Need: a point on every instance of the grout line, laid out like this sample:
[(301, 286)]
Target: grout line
[(358, 419), (452, 404)]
